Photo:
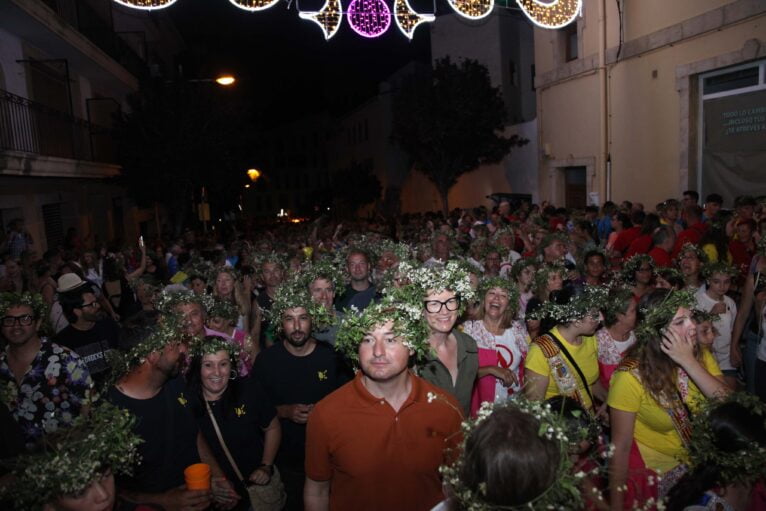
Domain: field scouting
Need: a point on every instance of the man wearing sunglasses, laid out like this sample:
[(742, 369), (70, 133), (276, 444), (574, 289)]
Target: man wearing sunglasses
[(43, 384)]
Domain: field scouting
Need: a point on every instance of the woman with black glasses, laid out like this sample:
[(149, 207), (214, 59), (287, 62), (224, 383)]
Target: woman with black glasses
[(453, 362)]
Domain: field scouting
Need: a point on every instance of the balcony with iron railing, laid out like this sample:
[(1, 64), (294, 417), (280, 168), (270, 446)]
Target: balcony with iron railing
[(86, 20), (30, 127)]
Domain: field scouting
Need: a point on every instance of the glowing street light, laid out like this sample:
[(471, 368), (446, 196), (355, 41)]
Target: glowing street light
[(253, 174), (225, 80)]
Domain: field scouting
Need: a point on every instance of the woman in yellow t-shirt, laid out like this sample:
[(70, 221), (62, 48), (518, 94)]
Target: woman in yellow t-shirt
[(651, 397), (548, 371)]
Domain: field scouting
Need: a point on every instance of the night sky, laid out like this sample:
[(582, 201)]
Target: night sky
[(284, 62)]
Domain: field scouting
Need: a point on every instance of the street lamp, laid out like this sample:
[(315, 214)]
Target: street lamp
[(225, 80), (253, 174)]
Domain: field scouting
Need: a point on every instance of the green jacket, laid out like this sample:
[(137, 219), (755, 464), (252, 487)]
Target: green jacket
[(435, 372)]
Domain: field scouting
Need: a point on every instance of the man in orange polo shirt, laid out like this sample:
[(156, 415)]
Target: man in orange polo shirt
[(377, 442)]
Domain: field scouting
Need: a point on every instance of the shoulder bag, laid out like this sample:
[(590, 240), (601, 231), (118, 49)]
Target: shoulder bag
[(263, 497)]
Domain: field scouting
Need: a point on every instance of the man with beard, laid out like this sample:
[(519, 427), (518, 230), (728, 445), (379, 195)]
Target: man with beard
[(153, 390), (296, 373), (91, 333)]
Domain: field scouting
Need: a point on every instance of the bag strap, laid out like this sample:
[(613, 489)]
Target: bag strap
[(576, 368), (220, 440)]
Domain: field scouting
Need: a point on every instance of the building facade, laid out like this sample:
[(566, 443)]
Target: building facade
[(503, 43), (66, 69), (641, 100)]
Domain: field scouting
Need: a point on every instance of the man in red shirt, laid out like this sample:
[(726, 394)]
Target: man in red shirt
[(742, 247), (663, 240), (693, 233), (377, 442)]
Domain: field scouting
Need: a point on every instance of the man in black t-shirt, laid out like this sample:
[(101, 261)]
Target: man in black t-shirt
[(91, 333), (360, 292), (153, 390), (296, 373)]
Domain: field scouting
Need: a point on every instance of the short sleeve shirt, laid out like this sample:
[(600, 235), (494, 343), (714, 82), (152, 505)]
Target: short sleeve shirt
[(288, 379), (377, 458), (658, 442), (586, 356), (169, 433), (52, 392), (249, 412), (92, 345)]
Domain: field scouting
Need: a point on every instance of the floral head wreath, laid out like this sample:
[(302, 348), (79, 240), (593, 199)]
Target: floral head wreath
[(294, 293), (744, 466), (402, 306), (220, 308), (502, 231), (168, 331), (701, 316), (150, 283), (545, 270), (718, 267), (259, 259), (362, 244), (668, 272), (691, 247), (385, 281), (615, 303), (520, 265), (632, 265), (324, 269), (401, 250), (69, 460), (550, 238), (32, 300), (197, 268), (593, 298), (506, 285), (213, 344), (453, 277), (653, 320), (170, 299), (564, 493), (214, 272)]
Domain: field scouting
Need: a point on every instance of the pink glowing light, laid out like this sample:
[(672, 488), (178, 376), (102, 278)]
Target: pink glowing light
[(369, 18)]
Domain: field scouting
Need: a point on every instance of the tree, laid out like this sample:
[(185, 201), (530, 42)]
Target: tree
[(354, 187), (179, 137), (449, 123)]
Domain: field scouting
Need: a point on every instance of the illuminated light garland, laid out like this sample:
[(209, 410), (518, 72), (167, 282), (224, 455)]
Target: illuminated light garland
[(472, 9), (329, 17), (147, 5), (254, 5), (552, 15), (369, 18), (407, 19)]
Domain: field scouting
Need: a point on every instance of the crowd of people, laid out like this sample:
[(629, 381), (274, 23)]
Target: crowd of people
[(526, 357)]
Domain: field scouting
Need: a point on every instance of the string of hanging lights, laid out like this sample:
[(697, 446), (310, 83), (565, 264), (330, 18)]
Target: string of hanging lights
[(372, 18)]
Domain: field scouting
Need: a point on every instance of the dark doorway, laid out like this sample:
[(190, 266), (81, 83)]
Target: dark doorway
[(575, 187)]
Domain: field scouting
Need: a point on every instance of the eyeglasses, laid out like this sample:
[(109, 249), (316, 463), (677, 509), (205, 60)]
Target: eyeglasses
[(436, 306), (24, 320), (91, 304)]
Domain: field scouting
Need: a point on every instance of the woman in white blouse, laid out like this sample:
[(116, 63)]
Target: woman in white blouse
[(501, 339)]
